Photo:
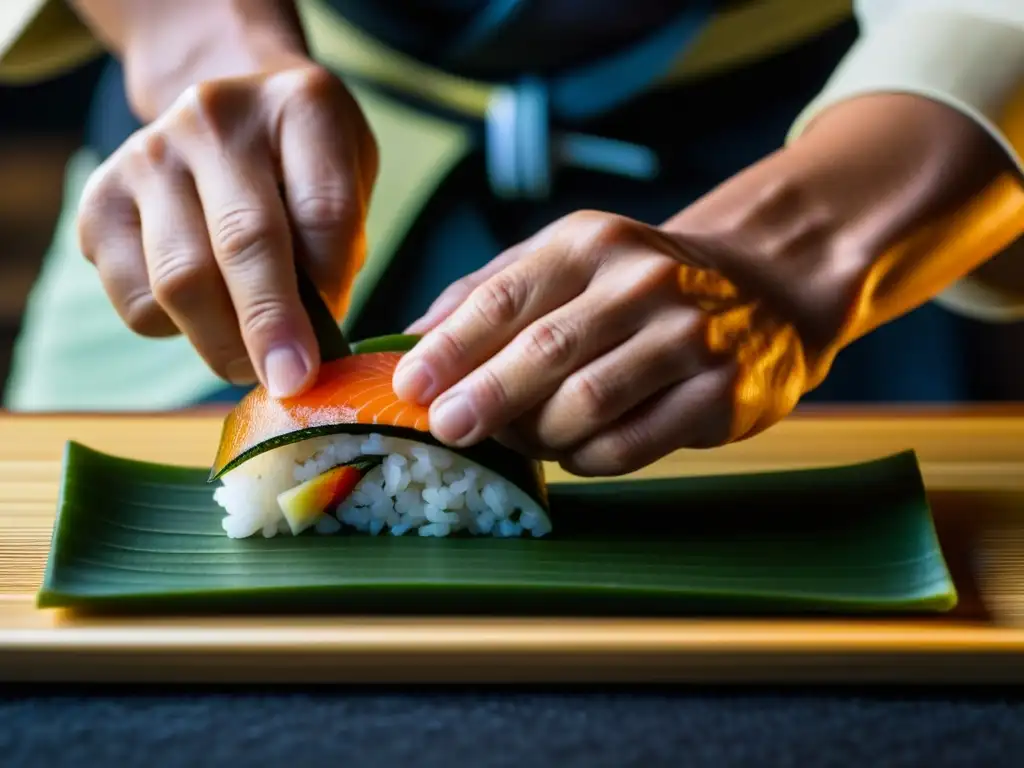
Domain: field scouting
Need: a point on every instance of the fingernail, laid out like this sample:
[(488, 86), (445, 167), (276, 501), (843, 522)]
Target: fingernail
[(413, 382), (240, 372), (286, 370), (452, 419)]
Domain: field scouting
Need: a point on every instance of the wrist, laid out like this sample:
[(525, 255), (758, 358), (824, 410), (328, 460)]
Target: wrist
[(772, 234), (805, 229), (172, 46)]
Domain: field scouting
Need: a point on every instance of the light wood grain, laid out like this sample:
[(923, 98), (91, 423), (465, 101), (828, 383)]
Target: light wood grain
[(973, 465)]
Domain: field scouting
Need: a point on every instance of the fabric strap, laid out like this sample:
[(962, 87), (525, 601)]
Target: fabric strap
[(522, 153)]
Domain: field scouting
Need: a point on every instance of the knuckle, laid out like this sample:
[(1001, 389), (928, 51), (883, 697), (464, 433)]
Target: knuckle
[(185, 112), (178, 279), (207, 100), (239, 233), (446, 345), (552, 343), (315, 83), (147, 152), (134, 145), (589, 238), (601, 233), (583, 219), (323, 210), (262, 315), (212, 107), (488, 392), (142, 314), (154, 149), (590, 395), (500, 300), (314, 89), (624, 451)]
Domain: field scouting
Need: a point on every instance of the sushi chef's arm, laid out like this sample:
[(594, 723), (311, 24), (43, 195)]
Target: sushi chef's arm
[(604, 343), (185, 222), (968, 55)]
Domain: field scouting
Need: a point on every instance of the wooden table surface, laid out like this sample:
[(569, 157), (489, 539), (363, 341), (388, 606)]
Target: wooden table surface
[(972, 461)]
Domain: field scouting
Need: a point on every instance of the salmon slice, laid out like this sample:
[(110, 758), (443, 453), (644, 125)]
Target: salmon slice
[(353, 390)]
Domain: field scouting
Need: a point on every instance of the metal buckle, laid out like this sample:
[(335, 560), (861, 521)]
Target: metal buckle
[(522, 154)]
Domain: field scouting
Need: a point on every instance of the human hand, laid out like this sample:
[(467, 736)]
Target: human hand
[(602, 343), (190, 232)]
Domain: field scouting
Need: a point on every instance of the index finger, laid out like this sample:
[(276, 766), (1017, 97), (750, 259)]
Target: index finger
[(251, 242), (493, 314)]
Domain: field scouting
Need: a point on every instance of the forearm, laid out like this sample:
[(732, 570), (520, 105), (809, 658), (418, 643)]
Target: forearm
[(167, 46), (968, 54), (926, 194), (864, 217)]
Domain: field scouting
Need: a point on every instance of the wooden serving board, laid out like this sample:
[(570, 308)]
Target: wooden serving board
[(973, 463)]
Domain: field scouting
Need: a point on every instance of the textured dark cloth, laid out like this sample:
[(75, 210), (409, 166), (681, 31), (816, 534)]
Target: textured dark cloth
[(503, 38), (515, 729)]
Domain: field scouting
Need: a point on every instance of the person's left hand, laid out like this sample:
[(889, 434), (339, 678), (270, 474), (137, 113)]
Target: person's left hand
[(599, 343)]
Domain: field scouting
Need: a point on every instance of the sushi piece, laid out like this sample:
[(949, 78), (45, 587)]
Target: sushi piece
[(413, 488), (286, 466)]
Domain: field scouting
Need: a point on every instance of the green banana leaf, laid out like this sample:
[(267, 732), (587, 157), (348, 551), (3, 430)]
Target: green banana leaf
[(398, 342), (133, 536)]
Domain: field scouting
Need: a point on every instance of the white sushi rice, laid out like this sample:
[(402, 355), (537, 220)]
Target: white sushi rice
[(417, 489)]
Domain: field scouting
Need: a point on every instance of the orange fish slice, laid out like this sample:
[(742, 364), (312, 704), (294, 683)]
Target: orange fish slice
[(354, 390)]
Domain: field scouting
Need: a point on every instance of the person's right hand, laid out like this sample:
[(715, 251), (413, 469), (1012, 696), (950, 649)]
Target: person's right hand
[(189, 231)]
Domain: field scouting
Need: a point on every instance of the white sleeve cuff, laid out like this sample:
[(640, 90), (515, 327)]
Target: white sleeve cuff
[(974, 63), (968, 55)]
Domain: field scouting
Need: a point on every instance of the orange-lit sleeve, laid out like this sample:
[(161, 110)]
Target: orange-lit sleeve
[(969, 55)]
